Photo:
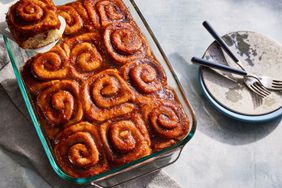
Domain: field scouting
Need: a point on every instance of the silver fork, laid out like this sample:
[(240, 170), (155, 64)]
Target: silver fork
[(251, 82), (270, 83), (267, 82), (256, 86)]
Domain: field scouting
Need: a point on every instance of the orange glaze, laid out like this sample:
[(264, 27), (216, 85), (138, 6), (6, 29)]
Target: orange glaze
[(101, 95)]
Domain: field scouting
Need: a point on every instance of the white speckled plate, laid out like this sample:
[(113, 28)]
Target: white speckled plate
[(261, 56)]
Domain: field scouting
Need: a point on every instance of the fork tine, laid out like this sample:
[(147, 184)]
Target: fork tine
[(277, 84), (259, 91), (256, 91), (277, 87), (262, 88), (277, 81)]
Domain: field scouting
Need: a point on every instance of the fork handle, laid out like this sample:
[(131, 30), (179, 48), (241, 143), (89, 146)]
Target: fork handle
[(220, 41), (210, 64)]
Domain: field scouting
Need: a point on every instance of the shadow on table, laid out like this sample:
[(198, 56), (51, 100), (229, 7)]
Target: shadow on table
[(4, 30), (211, 122), (3, 26), (3, 55)]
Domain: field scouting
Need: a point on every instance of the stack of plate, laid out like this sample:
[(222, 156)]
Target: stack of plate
[(227, 92)]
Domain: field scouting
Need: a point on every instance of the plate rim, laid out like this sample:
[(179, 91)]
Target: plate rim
[(232, 114), (229, 112)]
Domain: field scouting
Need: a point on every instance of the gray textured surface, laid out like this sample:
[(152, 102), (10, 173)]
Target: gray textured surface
[(223, 153)]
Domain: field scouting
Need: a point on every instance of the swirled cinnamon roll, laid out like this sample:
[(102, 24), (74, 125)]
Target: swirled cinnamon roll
[(93, 15), (125, 43), (106, 95), (33, 84), (125, 139), (51, 65), (60, 104), (145, 76), (85, 56), (111, 11), (76, 17), (167, 123), (33, 23), (79, 152), (100, 95)]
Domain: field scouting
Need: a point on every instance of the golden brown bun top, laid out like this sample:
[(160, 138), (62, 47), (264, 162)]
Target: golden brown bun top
[(27, 18)]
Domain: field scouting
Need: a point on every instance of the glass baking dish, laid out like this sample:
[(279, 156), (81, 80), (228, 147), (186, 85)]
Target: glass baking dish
[(132, 170)]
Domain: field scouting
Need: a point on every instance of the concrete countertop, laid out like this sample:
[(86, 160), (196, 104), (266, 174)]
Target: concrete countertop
[(224, 152)]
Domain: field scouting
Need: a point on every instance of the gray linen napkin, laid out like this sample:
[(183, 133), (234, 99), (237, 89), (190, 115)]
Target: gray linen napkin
[(22, 160)]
